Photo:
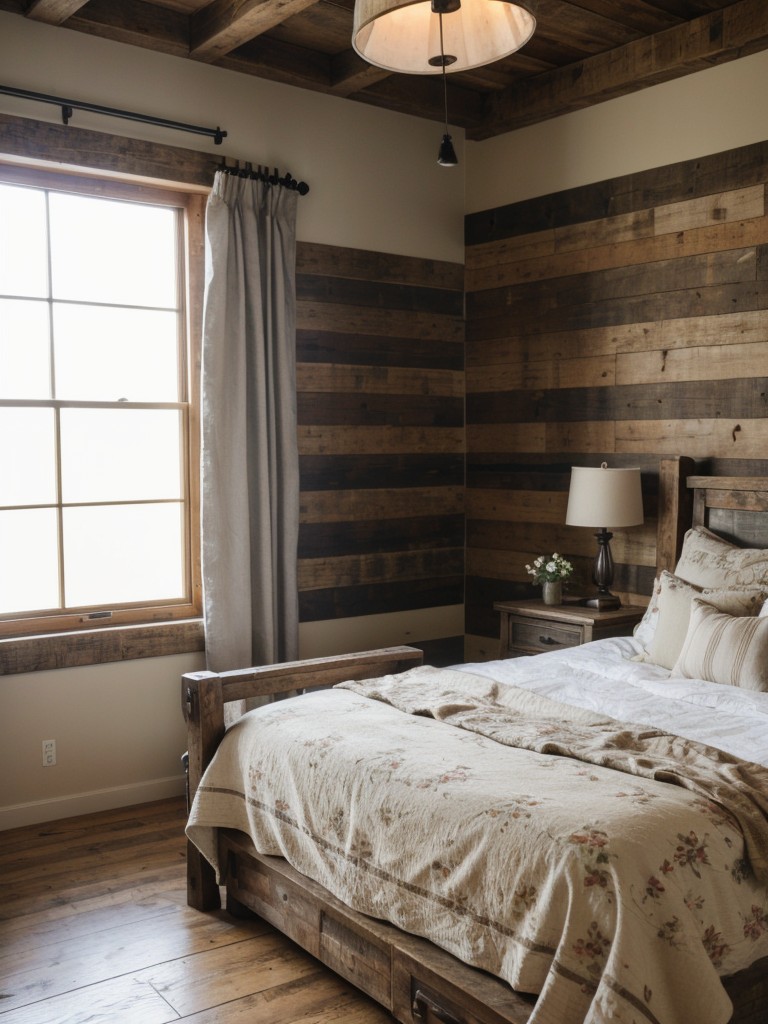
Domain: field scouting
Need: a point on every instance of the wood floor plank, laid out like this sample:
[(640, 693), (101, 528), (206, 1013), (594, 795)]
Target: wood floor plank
[(121, 820), (118, 999), (14, 900), (63, 966), (95, 930), (320, 999), (212, 977), (34, 931)]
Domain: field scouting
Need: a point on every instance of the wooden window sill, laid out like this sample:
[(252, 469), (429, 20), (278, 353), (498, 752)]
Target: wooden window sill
[(100, 646)]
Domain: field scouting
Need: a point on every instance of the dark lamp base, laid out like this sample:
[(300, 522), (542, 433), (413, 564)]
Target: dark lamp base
[(603, 602)]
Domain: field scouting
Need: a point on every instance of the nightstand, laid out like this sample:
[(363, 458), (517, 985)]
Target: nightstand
[(532, 627)]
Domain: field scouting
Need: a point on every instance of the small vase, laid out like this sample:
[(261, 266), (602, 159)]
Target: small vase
[(552, 592)]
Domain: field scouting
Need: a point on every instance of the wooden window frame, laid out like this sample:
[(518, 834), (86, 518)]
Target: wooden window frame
[(104, 165)]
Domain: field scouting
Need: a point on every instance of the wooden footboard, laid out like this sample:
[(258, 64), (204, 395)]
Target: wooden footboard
[(410, 977), (204, 694)]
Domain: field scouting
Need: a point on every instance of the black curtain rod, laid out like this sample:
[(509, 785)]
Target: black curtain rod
[(69, 106), (262, 174)]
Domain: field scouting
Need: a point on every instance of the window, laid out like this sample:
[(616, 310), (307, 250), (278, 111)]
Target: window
[(98, 509)]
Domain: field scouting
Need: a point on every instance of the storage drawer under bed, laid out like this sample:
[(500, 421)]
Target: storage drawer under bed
[(414, 980)]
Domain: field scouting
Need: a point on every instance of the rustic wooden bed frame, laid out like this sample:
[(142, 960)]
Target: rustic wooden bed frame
[(413, 979)]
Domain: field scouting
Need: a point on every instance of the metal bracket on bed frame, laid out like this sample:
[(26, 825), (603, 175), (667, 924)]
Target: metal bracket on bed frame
[(423, 1007), (191, 704)]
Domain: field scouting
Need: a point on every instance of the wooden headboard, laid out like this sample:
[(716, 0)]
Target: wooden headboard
[(734, 507)]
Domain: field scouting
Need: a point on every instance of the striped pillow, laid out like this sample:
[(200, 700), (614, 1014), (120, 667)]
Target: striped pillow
[(724, 648), (674, 601)]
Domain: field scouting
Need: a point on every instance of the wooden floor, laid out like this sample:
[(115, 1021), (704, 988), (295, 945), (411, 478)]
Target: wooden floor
[(94, 928)]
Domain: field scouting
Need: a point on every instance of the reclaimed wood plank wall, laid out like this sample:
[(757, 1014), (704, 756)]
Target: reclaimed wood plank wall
[(619, 321), (380, 351)]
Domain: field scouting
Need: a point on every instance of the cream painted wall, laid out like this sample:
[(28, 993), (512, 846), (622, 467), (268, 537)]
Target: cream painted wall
[(373, 175), (119, 737), (709, 112)]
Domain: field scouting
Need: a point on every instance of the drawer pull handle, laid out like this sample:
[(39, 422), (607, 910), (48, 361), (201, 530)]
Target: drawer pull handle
[(422, 1004), (547, 641)]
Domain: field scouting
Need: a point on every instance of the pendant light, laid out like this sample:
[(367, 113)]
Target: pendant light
[(408, 36), (402, 35)]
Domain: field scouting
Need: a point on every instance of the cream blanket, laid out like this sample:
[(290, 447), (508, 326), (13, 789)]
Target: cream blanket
[(513, 842)]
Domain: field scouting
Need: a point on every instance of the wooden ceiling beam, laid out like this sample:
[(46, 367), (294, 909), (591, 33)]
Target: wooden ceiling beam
[(422, 96), (280, 62), (711, 39), (134, 22), (350, 73), (53, 12), (224, 25)]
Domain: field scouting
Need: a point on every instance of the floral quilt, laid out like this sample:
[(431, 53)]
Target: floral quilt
[(616, 871)]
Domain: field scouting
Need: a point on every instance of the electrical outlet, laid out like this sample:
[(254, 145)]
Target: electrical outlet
[(49, 753)]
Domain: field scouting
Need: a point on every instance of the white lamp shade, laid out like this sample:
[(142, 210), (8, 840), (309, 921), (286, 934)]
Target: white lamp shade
[(604, 498), (402, 35)]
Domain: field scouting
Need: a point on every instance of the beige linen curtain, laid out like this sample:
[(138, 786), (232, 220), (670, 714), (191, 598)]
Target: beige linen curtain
[(250, 476)]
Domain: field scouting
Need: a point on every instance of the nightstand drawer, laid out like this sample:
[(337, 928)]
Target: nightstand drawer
[(530, 635)]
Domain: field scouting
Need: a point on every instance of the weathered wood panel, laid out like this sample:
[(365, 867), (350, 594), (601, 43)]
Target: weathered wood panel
[(379, 567), (371, 380), (360, 504), (380, 381), (402, 323), (674, 230), (616, 322), (373, 350), (343, 602), (358, 264), (377, 408), (700, 362), (321, 540), (366, 440), (399, 471), (690, 179), (700, 397), (721, 331)]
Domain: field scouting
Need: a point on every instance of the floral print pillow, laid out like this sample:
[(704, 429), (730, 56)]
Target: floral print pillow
[(709, 561)]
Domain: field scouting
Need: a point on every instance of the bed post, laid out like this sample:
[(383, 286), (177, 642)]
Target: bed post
[(203, 707), (674, 510)]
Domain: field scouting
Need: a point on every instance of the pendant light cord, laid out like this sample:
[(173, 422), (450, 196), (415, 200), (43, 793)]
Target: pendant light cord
[(445, 77)]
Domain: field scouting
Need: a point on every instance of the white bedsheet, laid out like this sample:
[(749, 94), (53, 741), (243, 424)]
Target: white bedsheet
[(601, 677)]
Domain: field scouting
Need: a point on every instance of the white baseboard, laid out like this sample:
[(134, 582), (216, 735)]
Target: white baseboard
[(37, 811)]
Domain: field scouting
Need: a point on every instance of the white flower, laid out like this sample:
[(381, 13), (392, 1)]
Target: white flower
[(550, 568)]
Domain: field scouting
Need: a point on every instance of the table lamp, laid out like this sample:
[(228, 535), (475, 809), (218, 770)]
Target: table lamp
[(604, 496)]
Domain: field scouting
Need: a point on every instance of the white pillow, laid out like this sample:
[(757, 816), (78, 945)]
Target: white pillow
[(724, 648), (646, 627), (674, 612), (707, 560)]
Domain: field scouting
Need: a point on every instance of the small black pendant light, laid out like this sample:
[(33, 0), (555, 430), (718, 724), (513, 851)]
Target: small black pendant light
[(447, 154)]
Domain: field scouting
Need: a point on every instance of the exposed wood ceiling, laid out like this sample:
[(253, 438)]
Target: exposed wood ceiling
[(583, 51)]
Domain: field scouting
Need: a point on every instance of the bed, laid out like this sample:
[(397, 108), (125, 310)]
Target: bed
[(592, 823)]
